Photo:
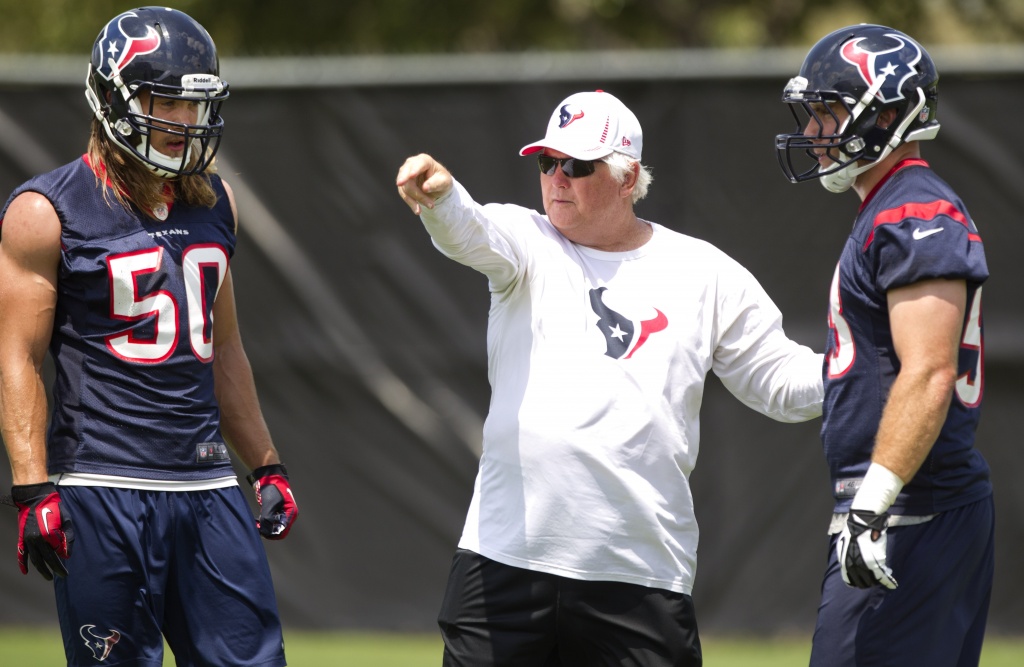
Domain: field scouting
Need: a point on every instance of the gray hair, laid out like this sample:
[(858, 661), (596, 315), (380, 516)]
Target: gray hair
[(621, 165)]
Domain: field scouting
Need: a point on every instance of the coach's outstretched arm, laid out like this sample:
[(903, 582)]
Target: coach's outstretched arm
[(421, 181)]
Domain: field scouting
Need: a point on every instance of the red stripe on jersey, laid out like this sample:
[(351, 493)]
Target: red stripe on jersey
[(908, 162), (920, 211)]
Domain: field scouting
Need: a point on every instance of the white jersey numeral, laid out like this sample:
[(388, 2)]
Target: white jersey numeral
[(200, 314), (126, 303), (843, 353), (969, 386)]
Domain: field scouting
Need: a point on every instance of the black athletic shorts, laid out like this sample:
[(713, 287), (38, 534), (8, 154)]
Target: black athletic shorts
[(496, 615)]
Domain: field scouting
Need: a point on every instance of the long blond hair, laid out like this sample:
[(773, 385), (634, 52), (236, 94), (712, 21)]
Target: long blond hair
[(133, 183)]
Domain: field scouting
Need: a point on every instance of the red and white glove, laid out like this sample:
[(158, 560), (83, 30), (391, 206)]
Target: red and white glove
[(278, 510), (44, 536)]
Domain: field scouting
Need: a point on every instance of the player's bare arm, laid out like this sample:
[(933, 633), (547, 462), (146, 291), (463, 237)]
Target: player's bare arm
[(242, 423), (29, 255), (926, 320), (421, 181), (242, 420)]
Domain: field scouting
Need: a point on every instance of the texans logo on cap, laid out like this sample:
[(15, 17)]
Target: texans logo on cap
[(895, 65), (567, 116)]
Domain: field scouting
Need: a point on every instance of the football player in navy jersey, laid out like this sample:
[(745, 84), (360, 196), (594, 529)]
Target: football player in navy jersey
[(118, 263), (909, 575)]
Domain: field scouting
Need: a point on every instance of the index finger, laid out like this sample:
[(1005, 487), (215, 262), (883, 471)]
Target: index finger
[(412, 168)]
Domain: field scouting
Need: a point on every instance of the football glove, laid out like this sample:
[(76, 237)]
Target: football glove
[(861, 550), (278, 510), (44, 536)]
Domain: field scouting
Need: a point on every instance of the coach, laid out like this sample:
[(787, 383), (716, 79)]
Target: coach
[(580, 542)]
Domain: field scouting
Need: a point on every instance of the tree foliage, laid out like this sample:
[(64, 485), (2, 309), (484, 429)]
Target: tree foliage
[(312, 27)]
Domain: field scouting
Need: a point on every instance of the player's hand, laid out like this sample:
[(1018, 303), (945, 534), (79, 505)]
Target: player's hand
[(278, 510), (421, 181), (44, 536), (861, 550)]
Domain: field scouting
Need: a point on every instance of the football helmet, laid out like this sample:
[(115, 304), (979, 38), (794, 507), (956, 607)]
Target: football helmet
[(847, 80), (147, 55)]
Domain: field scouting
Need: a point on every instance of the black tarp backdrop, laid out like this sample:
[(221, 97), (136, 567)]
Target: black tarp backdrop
[(368, 346)]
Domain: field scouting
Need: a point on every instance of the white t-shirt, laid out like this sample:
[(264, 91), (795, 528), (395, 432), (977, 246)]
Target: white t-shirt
[(597, 363)]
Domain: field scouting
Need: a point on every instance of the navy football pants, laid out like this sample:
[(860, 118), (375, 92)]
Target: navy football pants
[(146, 565), (936, 616)]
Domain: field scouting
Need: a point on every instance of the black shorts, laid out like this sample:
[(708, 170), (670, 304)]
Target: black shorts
[(495, 615)]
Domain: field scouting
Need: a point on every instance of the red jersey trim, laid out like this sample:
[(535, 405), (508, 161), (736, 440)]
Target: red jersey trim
[(101, 172), (919, 210)]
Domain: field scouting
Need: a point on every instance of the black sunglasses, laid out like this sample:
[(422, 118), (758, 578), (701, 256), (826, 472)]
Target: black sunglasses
[(571, 167)]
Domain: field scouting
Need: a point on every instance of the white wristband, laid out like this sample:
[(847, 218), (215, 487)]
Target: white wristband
[(878, 491)]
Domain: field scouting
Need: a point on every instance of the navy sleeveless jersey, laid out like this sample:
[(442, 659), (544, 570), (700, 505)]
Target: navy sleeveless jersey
[(912, 228), (132, 335)]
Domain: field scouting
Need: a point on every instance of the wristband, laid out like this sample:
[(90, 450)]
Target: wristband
[(878, 491)]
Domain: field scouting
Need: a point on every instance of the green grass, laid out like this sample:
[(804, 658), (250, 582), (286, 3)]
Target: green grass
[(42, 648)]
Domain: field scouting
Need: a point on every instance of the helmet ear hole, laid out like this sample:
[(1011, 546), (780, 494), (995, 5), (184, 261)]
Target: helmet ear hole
[(886, 118)]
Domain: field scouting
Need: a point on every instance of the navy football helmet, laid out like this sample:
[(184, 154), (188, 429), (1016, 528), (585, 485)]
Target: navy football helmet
[(864, 70), (165, 53)]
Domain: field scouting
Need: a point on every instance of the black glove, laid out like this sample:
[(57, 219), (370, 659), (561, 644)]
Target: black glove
[(278, 510), (861, 550), (43, 535)]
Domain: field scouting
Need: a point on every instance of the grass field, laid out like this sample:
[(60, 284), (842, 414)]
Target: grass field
[(42, 648)]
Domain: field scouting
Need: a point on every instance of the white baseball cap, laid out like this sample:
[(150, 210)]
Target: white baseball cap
[(590, 126)]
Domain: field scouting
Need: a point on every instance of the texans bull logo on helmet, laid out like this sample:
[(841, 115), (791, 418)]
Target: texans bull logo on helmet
[(894, 65), (100, 645), (134, 38), (619, 330)]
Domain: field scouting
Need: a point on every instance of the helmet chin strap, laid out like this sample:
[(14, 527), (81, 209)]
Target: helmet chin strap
[(840, 180), (162, 165)]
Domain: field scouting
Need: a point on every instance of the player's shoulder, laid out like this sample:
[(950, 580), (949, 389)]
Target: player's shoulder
[(229, 196), (39, 195), (911, 193), (30, 224), (915, 201), (58, 175)]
